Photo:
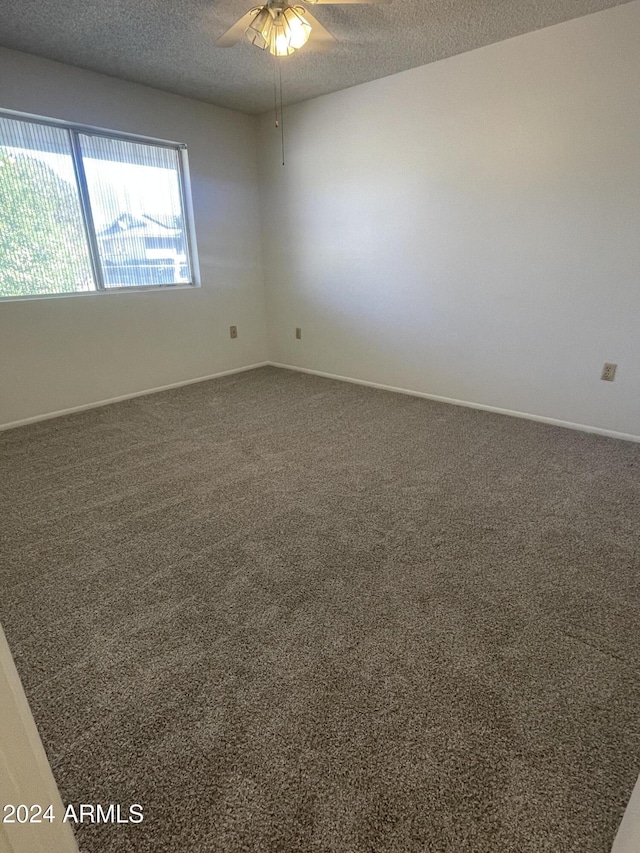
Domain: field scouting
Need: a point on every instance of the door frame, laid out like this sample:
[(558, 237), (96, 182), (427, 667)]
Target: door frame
[(25, 774)]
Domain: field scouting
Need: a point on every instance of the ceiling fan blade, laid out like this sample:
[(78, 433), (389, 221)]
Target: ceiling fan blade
[(320, 37), (235, 33), (346, 2)]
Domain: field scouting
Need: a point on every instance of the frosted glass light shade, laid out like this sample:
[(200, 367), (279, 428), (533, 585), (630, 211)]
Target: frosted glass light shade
[(296, 26), (260, 30)]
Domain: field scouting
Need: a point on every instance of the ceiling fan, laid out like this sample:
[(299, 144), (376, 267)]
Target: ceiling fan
[(282, 28)]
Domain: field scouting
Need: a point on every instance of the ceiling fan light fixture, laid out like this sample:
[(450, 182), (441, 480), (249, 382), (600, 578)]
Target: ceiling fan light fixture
[(279, 30), (261, 30)]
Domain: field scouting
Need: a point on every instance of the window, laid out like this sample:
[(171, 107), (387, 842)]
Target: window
[(83, 210)]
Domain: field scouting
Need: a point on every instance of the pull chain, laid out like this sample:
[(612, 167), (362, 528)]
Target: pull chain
[(275, 98), (277, 102), (281, 114)]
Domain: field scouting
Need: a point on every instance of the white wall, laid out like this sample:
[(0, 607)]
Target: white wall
[(470, 228), (70, 351)]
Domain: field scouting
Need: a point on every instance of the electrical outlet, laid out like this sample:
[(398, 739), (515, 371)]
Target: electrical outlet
[(298, 334), (233, 331), (609, 371)]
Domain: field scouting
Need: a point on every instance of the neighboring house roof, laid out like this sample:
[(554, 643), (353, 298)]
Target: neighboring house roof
[(143, 226)]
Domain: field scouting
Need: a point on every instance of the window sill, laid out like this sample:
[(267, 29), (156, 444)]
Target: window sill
[(106, 292)]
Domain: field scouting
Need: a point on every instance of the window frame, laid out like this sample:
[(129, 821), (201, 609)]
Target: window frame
[(74, 130)]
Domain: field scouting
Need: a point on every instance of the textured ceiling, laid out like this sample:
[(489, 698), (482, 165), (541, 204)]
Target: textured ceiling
[(169, 43)]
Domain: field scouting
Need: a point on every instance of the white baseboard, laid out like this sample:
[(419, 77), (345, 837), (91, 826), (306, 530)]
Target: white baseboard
[(525, 415), (99, 403)]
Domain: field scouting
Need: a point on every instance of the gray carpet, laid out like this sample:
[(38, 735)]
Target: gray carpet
[(289, 614)]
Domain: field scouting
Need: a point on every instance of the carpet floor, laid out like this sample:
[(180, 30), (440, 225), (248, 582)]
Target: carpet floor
[(284, 613)]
